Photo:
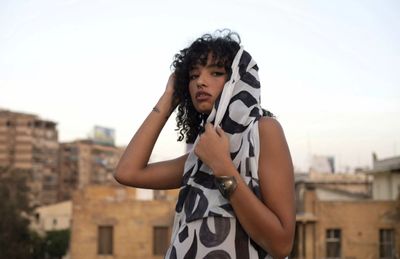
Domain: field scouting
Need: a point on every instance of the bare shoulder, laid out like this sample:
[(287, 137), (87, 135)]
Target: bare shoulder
[(273, 146), (270, 128)]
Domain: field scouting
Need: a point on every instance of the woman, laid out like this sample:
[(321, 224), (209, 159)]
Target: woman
[(237, 197)]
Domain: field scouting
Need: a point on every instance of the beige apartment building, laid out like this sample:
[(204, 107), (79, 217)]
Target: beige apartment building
[(339, 216), (84, 162), (31, 143), (112, 221)]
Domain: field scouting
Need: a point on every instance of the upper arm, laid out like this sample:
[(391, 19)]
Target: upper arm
[(276, 172), (159, 175)]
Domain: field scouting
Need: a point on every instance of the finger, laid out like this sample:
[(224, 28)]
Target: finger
[(220, 131), (209, 125)]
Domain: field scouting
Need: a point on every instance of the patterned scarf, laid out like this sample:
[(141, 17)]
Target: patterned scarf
[(237, 111)]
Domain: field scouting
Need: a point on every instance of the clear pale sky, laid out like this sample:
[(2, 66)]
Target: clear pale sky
[(329, 70)]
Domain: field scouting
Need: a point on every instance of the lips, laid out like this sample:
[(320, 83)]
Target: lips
[(202, 96)]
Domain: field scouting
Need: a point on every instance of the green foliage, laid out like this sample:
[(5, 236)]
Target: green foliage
[(57, 243), (37, 246), (16, 240)]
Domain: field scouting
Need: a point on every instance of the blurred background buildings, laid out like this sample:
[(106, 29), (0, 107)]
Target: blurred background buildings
[(339, 215)]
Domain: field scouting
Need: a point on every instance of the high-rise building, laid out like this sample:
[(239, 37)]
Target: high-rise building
[(84, 162), (31, 143)]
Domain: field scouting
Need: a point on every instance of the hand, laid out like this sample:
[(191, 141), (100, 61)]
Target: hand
[(170, 84), (169, 91), (213, 149)]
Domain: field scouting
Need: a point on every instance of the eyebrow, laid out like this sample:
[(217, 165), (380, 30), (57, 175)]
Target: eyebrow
[(213, 65)]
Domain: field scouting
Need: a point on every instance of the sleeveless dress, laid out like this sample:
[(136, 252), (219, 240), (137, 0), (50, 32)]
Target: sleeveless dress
[(205, 225), (214, 237)]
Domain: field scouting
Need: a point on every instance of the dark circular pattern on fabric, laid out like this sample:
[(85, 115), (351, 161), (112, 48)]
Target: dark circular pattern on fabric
[(186, 176), (181, 198), (227, 207), (251, 80), (255, 112), (255, 187), (243, 63), (206, 180), (191, 253), (230, 126), (218, 254), (241, 242), (234, 154), (245, 97), (222, 227), (183, 234), (190, 201), (173, 253), (261, 253)]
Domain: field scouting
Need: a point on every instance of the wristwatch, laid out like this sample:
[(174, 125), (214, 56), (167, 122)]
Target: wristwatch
[(226, 185)]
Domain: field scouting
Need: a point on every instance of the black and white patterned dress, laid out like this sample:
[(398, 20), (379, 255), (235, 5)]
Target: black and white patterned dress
[(205, 225)]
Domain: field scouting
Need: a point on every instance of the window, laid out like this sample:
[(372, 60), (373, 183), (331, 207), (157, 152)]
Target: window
[(160, 240), (105, 240), (37, 217), (333, 237), (160, 195), (386, 243)]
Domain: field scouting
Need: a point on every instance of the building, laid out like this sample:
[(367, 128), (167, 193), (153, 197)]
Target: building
[(337, 217), (85, 162), (111, 222), (386, 173), (52, 217), (31, 143), (323, 164)]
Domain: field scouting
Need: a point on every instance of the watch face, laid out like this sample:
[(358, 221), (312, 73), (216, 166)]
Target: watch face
[(226, 185)]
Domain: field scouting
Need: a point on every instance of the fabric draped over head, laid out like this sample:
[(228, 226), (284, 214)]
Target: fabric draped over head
[(236, 111)]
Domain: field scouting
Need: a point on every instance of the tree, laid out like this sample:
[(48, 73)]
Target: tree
[(57, 243), (16, 240)]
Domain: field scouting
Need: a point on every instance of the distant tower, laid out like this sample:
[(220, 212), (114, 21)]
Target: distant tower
[(374, 157), (323, 164)]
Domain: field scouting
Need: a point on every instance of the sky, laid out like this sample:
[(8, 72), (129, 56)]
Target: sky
[(329, 70)]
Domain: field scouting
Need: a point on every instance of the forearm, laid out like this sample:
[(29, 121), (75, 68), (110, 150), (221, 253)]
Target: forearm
[(137, 154), (259, 221)]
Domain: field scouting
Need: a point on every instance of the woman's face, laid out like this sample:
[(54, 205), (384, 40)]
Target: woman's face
[(206, 84)]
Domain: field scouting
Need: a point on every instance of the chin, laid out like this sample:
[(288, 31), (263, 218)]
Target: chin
[(203, 110)]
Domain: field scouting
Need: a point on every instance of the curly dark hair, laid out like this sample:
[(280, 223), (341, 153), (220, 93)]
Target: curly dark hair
[(223, 44)]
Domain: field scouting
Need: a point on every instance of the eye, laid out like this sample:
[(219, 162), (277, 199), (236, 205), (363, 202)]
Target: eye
[(193, 76), (218, 73)]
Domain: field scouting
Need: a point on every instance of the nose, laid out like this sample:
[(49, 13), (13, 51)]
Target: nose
[(201, 81)]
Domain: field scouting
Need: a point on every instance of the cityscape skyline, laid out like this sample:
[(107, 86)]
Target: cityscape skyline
[(327, 69), (106, 136)]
